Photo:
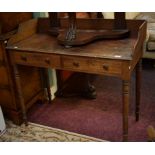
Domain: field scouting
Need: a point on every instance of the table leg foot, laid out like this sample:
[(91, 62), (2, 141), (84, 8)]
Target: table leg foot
[(125, 137)]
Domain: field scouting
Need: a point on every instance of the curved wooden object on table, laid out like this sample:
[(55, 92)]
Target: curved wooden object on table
[(74, 37), (83, 37)]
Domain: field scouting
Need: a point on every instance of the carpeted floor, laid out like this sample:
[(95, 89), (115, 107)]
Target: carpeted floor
[(102, 117), (39, 133)]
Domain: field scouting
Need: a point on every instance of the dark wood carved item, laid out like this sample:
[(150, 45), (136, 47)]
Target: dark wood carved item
[(72, 36)]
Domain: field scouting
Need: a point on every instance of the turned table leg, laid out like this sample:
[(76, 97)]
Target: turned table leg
[(47, 83), (138, 87), (125, 98), (20, 93)]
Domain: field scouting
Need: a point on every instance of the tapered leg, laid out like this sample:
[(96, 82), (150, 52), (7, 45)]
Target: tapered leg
[(125, 97), (20, 93), (47, 83), (138, 88)]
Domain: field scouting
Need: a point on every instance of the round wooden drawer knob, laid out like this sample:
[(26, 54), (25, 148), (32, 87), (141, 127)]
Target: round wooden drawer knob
[(105, 67), (47, 61), (24, 58), (76, 64)]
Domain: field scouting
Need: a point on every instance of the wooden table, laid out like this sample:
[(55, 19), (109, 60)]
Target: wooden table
[(33, 46)]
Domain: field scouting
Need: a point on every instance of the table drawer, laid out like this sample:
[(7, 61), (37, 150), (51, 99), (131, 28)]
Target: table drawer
[(92, 65), (42, 60), (105, 66), (74, 63)]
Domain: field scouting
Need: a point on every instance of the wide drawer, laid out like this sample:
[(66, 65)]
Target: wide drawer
[(92, 65), (36, 59)]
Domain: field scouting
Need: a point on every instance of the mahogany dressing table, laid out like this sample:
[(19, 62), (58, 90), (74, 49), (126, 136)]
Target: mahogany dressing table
[(34, 46)]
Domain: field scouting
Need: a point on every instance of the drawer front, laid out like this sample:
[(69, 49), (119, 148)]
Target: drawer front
[(3, 76), (92, 65), (106, 66), (42, 60), (74, 63)]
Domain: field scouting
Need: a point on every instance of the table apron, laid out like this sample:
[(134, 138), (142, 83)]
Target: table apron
[(72, 63)]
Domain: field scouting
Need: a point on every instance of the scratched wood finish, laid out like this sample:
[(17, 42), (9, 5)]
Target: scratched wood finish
[(108, 57), (111, 46), (112, 49)]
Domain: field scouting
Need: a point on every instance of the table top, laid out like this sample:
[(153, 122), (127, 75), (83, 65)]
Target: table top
[(121, 49)]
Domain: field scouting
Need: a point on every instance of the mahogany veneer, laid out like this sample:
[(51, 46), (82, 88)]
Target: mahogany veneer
[(34, 46)]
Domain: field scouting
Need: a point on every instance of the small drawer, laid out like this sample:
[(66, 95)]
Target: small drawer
[(92, 65), (39, 60), (104, 66), (75, 63)]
